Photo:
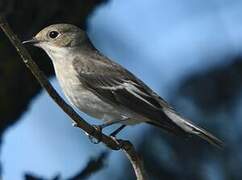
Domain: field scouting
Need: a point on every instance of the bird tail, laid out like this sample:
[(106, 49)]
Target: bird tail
[(192, 129)]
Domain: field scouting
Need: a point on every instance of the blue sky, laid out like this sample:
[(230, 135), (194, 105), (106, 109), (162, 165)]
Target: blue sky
[(161, 41)]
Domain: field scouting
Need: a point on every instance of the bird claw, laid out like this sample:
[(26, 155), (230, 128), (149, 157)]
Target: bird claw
[(114, 138), (98, 127), (95, 140), (118, 141)]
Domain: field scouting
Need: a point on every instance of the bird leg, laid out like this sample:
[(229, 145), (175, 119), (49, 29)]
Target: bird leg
[(116, 131), (104, 125)]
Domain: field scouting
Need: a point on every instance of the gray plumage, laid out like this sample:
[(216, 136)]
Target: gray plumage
[(104, 89)]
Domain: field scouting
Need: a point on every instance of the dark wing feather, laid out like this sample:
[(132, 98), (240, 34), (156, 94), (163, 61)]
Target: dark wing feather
[(114, 91), (114, 84), (144, 104)]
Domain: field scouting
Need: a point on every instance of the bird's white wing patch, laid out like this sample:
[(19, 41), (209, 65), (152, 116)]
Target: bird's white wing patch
[(180, 121), (131, 88)]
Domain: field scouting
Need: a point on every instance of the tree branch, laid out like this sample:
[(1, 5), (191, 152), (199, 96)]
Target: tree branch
[(110, 142)]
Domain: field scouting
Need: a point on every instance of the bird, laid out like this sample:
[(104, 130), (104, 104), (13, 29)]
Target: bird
[(105, 90)]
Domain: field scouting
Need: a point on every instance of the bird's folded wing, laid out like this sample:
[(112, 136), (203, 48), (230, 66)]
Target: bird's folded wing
[(124, 92)]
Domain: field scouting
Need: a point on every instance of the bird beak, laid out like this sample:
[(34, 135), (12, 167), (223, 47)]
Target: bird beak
[(32, 41)]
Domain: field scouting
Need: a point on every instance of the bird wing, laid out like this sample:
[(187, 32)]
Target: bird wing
[(122, 92), (117, 86), (121, 88)]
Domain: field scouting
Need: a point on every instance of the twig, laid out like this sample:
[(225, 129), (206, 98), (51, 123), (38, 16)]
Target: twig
[(93, 165), (29, 176), (110, 142)]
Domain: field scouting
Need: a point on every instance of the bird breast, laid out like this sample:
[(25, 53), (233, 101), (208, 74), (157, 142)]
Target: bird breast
[(79, 96)]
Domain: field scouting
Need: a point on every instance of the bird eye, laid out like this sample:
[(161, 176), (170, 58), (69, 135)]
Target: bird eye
[(53, 34)]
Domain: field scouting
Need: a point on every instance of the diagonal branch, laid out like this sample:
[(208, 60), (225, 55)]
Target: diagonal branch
[(110, 142)]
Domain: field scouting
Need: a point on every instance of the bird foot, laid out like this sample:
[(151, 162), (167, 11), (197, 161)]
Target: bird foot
[(94, 140)]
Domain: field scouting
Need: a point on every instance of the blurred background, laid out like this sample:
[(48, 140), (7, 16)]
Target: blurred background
[(190, 52)]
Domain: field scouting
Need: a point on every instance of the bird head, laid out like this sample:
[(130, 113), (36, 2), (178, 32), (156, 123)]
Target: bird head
[(58, 35)]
